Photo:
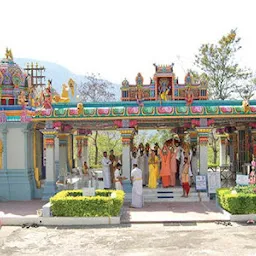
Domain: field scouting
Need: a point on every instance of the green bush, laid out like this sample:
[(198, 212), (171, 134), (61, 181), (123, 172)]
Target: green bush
[(72, 203), (238, 200)]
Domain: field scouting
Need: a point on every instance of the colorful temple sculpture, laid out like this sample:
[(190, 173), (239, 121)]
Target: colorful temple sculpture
[(38, 126), (164, 86)]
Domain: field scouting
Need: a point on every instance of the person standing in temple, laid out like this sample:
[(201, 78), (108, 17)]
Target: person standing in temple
[(106, 170), (141, 165), (153, 163), (185, 177), (173, 166), (165, 172), (117, 177), (112, 158), (134, 156), (137, 187)]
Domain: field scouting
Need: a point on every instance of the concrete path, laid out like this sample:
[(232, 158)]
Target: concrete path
[(204, 239), (150, 213), (21, 208), (173, 212)]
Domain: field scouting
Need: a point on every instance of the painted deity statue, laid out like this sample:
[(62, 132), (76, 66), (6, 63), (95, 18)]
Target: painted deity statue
[(64, 97), (47, 96), (246, 105), (189, 97), (22, 100), (8, 54)]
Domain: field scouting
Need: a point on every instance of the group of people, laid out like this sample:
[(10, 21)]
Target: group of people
[(112, 177), (166, 165), (153, 166)]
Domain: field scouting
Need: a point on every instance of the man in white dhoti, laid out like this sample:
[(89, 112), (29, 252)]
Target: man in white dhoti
[(137, 190), (134, 157), (141, 165), (106, 170), (117, 177)]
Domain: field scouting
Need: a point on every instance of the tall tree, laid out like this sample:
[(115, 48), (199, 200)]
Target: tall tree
[(96, 89), (219, 65)]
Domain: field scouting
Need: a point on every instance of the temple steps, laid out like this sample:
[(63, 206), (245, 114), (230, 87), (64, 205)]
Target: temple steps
[(170, 195)]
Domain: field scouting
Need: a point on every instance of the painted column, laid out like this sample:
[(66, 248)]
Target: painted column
[(63, 153), (57, 157), (70, 152), (79, 142), (4, 132), (203, 134), (232, 150), (223, 149), (253, 132), (85, 150), (5, 186), (127, 136), (50, 182)]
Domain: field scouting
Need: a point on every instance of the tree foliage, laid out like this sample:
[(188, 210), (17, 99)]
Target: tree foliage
[(219, 65), (96, 89), (106, 141), (159, 137)]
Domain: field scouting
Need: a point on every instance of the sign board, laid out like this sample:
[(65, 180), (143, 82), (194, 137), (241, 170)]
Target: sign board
[(88, 191), (242, 179), (201, 183), (213, 181)]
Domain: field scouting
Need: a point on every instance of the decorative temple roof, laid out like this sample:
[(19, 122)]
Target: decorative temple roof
[(120, 110), (11, 75), (164, 68)]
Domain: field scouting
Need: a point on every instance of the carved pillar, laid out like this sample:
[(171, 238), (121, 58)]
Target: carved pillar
[(127, 136), (253, 133), (79, 143), (85, 150), (232, 150), (203, 135), (36, 169), (63, 153), (57, 156), (223, 149), (4, 156), (50, 182), (70, 152)]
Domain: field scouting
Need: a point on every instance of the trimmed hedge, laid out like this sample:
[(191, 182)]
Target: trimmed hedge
[(72, 203), (238, 200)]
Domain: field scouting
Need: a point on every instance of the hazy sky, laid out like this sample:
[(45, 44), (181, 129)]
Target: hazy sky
[(121, 38)]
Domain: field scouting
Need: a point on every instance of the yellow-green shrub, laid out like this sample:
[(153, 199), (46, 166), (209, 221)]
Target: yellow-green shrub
[(72, 203), (238, 202)]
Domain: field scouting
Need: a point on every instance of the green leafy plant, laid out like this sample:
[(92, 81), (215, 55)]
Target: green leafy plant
[(72, 203), (238, 200)]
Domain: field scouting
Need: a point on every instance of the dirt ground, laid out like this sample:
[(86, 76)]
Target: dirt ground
[(140, 239)]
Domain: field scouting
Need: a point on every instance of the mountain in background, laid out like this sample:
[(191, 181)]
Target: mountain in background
[(60, 74)]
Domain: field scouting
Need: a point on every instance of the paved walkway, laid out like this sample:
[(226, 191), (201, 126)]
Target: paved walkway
[(173, 212), (150, 213), (21, 208)]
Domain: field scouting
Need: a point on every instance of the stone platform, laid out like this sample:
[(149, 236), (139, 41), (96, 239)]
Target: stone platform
[(170, 195)]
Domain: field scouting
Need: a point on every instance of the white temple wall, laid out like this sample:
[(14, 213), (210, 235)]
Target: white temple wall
[(15, 148)]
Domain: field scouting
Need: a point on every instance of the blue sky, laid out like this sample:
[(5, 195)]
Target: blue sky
[(121, 38)]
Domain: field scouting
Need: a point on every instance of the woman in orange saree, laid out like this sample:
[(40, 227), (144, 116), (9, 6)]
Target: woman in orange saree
[(165, 173)]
